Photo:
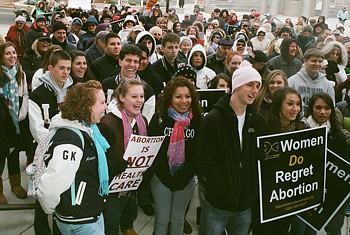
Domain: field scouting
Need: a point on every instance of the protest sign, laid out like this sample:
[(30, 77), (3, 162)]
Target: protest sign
[(337, 192), (209, 97), (118, 25), (291, 172), (81, 4), (140, 154)]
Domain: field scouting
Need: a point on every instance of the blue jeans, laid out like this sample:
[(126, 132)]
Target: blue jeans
[(214, 221), (96, 228), (170, 207)]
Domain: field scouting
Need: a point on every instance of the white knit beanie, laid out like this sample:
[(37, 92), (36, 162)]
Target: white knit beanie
[(20, 19), (244, 75)]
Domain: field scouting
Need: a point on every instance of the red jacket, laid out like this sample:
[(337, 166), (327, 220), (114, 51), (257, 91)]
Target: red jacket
[(12, 37)]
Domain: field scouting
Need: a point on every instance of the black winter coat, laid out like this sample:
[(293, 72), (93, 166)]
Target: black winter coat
[(230, 172)]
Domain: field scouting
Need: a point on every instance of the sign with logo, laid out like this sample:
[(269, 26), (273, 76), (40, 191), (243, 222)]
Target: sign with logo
[(291, 172), (118, 25), (209, 97), (337, 192), (140, 154)]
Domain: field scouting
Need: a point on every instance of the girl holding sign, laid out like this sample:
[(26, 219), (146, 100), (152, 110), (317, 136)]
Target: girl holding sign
[(117, 126), (321, 112), (284, 116), (172, 185)]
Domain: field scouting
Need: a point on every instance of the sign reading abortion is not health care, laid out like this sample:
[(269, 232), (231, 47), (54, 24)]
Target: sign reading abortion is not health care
[(140, 153), (291, 172)]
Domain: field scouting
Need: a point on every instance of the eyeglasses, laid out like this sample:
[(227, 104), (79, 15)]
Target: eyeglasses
[(217, 37), (45, 40), (240, 44), (19, 23)]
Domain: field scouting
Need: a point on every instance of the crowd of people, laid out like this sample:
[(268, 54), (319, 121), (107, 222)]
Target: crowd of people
[(99, 77)]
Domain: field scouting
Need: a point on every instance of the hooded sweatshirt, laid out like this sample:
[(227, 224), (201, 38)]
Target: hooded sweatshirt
[(229, 169), (43, 104), (153, 55), (306, 86), (204, 74), (258, 44)]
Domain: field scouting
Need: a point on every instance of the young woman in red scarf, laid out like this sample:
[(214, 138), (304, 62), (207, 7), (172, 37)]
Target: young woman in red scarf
[(172, 184)]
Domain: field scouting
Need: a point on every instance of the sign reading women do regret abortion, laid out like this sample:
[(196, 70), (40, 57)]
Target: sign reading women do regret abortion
[(291, 172)]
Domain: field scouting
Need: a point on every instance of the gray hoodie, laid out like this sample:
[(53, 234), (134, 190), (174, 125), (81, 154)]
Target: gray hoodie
[(306, 86), (61, 93)]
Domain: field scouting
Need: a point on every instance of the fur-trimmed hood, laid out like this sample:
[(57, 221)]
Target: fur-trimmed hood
[(343, 60)]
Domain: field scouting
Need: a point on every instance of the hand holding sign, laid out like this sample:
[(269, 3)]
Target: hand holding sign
[(140, 154)]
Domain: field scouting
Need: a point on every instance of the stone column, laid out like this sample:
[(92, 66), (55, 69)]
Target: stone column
[(306, 8), (325, 8), (274, 7), (263, 6)]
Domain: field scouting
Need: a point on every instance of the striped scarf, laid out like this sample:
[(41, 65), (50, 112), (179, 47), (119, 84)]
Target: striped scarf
[(11, 92), (141, 125), (176, 149)]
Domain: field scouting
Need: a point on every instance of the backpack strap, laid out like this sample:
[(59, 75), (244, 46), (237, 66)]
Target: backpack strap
[(72, 187)]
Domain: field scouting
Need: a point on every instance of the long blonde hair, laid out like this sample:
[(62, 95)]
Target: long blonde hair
[(264, 92)]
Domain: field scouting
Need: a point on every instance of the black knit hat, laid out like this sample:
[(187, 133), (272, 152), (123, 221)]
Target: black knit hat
[(187, 72), (257, 56), (59, 25), (40, 18)]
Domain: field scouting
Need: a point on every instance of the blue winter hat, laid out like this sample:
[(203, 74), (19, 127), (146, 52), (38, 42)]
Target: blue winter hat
[(92, 19)]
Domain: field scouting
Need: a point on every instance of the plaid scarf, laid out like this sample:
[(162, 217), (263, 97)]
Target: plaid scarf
[(21, 37), (141, 125), (176, 149), (11, 92)]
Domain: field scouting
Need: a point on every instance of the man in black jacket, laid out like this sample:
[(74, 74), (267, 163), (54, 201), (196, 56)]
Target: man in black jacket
[(146, 72), (227, 157), (38, 26), (59, 37), (97, 49), (216, 61), (107, 65), (167, 66), (129, 61)]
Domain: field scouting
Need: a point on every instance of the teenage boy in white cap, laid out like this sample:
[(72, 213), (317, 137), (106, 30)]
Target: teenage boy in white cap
[(227, 157)]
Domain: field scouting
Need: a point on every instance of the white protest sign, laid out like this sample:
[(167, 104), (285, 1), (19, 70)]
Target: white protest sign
[(84, 4), (140, 154)]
